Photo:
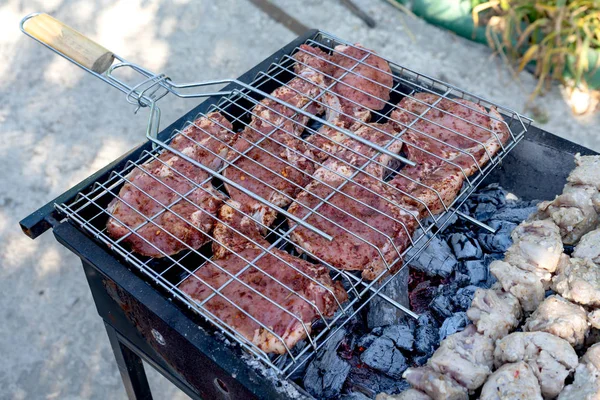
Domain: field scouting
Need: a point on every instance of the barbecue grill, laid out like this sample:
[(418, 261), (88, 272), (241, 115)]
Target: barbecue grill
[(147, 315)]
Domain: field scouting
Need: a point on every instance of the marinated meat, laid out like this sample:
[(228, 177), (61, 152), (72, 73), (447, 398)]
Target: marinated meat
[(438, 386), (369, 229), (586, 172), (586, 385), (579, 281), (410, 394), (589, 246), (363, 70), (524, 285), (494, 312), (467, 357), (251, 303), (155, 190), (512, 382), (561, 318), (551, 358)]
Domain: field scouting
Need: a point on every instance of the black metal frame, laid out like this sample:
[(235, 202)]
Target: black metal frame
[(143, 324)]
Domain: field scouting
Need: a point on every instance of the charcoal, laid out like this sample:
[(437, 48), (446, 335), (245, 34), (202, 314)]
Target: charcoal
[(441, 307), (426, 334), (366, 340), (364, 379), (383, 356), (401, 334), (326, 374), (435, 259), (383, 313), (453, 324), (420, 360), (492, 194), (476, 270), (461, 279), (487, 260), (421, 296), (464, 297), (483, 211), (355, 396), (465, 248), (515, 213), (497, 242)]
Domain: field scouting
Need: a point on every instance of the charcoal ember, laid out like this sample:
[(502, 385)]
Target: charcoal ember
[(456, 323), (420, 360), (355, 396), (403, 334), (515, 212), (493, 194), (436, 259), (441, 307), (463, 298), (383, 356), (461, 279), (484, 211), (497, 242), (476, 270), (487, 260), (383, 313), (326, 374), (426, 334), (421, 296), (364, 379), (464, 247), (365, 341)]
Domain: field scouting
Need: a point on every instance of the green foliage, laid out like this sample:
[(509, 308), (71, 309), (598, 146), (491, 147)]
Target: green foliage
[(544, 32)]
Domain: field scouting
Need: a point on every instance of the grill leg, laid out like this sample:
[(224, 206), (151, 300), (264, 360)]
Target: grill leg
[(130, 367)]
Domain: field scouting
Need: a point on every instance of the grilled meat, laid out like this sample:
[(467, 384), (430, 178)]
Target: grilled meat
[(579, 281), (510, 382), (551, 358), (561, 318), (369, 229), (410, 394), (494, 312), (437, 386), (586, 385), (589, 246), (524, 285), (273, 302), (155, 190)]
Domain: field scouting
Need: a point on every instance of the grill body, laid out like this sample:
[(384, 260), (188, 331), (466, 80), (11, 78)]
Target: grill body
[(142, 323)]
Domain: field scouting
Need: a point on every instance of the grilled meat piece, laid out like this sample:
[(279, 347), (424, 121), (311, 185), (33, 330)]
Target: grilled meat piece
[(587, 171), (586, 385), (156, 189), (510, 382), (561, 318), (494, 312), (589, 246), (579, 281), (274, 301), (467, 357), (368, 227), (524, 285), (551, 358), (409, 394), (437, 386)]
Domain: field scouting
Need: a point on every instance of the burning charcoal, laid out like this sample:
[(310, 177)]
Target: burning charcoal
[(326, 374), (366, 341), (364, 379), (463, 297), (464, 247), (487, 260), (436, 259), (426, 334), (420, 360), (441, 307), (383, 356), (355, 396), (483, 211), (421, 296), (497, 242), (402, 335), (492, 194), (461, 279), (515, 214), (455, 323), (381, 312), (477, 271)]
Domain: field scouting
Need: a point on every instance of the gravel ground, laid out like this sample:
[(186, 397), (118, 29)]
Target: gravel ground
[(59, 125)]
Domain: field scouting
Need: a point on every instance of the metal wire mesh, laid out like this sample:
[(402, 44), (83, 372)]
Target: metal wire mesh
[(91, 209)]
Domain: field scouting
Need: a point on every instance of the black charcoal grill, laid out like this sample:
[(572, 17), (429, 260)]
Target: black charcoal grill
[(147, 318)]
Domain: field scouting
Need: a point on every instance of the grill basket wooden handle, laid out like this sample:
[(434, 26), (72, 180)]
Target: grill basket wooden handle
[(69, 42)]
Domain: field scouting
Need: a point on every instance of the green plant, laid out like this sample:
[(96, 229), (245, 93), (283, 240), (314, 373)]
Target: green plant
[(546, 32)]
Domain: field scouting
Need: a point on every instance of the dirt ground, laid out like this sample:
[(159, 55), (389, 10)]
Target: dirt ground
[(58, 125)]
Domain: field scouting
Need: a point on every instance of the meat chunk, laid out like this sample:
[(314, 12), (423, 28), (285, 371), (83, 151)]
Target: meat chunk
[(363, 70), (586, 385), (579, 281), (587, 171), (524, 285), (551, 358), (368, 227), (437, 386), (155, 190), (589, 246), (251, 304), (561, 318), (494, 312), (510, 382), (467, 357), (410, 394)]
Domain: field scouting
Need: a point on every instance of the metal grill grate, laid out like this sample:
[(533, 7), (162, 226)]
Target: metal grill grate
[(89, 209)]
